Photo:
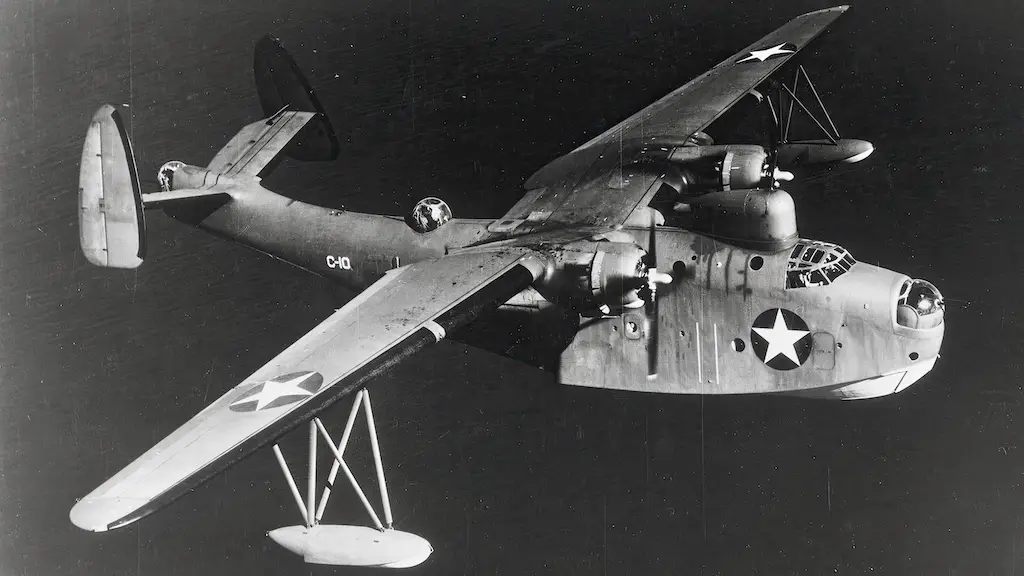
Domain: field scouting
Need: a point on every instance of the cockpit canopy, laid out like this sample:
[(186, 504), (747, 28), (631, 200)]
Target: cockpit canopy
[(813, 263)]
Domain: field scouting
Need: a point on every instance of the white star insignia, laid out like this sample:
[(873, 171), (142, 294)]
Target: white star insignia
[(273, 389), (762, 55), (781, 340)]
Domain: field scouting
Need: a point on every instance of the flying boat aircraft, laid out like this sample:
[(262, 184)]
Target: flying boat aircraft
[(677, 260)]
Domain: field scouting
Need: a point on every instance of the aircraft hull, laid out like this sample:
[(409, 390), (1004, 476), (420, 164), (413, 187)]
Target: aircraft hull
[(707, 315), (709, 320)]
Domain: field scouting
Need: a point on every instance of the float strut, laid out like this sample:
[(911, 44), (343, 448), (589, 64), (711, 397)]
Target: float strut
[(820, 103), (348, 474), (341, 450), (311, 513), (311, 479), (789, 114), (376, 459), (291, 483), (799, 103)]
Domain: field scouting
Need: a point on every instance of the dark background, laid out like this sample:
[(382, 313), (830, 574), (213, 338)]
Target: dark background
[(501, 469)]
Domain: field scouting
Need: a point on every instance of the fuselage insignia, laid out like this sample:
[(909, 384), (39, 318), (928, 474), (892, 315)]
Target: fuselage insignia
[(781, 339)]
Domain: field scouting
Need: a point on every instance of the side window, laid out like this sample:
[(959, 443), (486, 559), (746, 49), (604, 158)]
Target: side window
[(816, 278)]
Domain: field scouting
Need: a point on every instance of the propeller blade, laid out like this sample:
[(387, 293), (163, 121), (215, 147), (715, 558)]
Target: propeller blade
[(652, 338), (651, 301), (771, 176)]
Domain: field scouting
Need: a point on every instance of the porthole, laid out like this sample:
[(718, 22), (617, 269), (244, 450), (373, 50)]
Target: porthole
[(756, 262), (914, 356), (739, 345)]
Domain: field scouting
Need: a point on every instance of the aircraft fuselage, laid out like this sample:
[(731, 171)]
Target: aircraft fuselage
[(734, 320)]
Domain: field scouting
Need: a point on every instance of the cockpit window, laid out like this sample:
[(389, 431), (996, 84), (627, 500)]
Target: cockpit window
[(816, 264)]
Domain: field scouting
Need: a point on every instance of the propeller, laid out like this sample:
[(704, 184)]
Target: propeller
[(649, 294), (771, 176)]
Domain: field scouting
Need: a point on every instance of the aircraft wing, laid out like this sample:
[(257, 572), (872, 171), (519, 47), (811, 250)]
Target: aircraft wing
[(409, 308), (674, 117)]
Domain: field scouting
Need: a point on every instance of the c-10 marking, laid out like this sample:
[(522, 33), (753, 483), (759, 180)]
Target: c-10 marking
[(334, 262)]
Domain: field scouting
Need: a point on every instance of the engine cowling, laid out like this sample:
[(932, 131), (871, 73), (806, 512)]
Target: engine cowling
[(696, 170), (606, 276)]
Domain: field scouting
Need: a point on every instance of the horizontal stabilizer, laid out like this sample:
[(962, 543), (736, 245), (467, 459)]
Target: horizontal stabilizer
[(112, 229), (170, 197), (254, 151)]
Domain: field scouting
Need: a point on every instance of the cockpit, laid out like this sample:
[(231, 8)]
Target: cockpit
[(813, 263)]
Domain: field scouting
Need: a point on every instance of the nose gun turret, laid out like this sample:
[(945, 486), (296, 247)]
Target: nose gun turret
[(920, 305)]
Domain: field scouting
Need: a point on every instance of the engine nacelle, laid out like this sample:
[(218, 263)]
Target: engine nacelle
[(758, 219), (604, 276), (699, 170), (429, 214)]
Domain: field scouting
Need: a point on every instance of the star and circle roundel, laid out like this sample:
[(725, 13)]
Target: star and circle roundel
[(277, 392), (781, 339)]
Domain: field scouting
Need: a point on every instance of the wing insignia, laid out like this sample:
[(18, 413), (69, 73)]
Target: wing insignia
[(278, 392), (769, 53)]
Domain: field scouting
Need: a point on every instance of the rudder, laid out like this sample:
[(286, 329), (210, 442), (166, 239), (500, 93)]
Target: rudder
[(280, 83)]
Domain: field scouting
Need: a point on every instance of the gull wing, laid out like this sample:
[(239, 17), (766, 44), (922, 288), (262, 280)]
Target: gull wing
[(688, 109), (409, 308)]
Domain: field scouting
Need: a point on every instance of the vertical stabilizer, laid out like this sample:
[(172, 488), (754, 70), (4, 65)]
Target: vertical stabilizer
[(280, 83), (112, 229)]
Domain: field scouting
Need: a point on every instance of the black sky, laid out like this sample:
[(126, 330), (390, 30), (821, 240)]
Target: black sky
[(501, 469)]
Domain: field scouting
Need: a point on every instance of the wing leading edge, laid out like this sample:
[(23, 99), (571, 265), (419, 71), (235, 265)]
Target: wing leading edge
[(676, 116), (408, 309)]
